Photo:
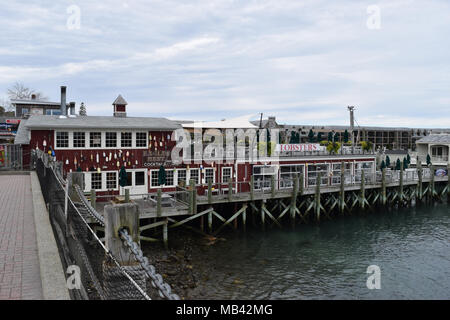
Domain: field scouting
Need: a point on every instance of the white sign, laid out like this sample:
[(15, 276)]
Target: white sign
[(299, 147)]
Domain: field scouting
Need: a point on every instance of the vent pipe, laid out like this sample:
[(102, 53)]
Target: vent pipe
[(63, 101), (72, 108)]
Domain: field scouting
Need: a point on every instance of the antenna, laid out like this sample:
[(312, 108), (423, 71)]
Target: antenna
[(260, 121)]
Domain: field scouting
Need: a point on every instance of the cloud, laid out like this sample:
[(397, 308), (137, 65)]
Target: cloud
[(302, 61)]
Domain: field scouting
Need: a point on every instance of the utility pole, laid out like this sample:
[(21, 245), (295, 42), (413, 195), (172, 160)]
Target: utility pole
[(352, 126)]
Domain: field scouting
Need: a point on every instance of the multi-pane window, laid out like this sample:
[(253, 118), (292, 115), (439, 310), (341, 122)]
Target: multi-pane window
[(111, 139), (154, 178), (226, 175), (169, 177), (141, 139), (111, 180), (96, 181), (181, 175), (139, 178), (209, 175), (287, 175), (194, 175), (313, 172), (95, 139), (125, 139), (62, 139), (336, 176), (78, 139)]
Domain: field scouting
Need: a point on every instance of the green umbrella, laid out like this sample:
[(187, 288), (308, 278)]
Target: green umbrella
[(123, 179), (162, 175)]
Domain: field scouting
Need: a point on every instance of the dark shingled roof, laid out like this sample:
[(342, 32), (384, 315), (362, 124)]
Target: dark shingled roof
[(100, 122), (120, 100), (435, 138)]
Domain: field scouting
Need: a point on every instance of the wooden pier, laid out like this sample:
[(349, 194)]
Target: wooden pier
[(211, 213)]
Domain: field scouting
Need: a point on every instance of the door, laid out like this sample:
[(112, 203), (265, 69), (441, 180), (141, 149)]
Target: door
[(137, 182)]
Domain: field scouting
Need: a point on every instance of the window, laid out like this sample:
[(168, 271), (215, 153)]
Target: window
[(96, 181), (194, 175), (154, 178), (111, 139), (125, 140), (336, 176), (169, 177), (313, 172), (78, 140), (129, 179), (209, 175), (111, 180), (287, 175), (181, 173), (25, 110), (62, 139), (139, 178), (226, 174), (95, 139), (141, 139), (52, 112)]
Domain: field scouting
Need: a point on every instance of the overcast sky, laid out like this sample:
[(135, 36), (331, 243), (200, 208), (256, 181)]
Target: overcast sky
[(301, 61)]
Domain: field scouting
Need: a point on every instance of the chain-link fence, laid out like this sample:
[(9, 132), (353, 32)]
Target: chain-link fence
[(101, 274)]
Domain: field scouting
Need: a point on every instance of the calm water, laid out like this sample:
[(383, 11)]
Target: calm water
[(329, 260)]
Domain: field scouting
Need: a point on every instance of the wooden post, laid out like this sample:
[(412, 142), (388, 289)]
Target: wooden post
[(118, 217), (158, 202), (301, 184), (209, 191), (244, 218), (431, 187), (93, 200), (342, 190), (317, 196), (420, 182), (272, 186), (230, 190), (448, 183), (127, 195), (401, 194), (294, 199), (263, 217), (383, 186), (362, 197), (166, 234), (193, 198), (210, 221), (252, 188)]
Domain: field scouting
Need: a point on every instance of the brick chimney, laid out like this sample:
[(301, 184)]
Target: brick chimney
[(120, 107)]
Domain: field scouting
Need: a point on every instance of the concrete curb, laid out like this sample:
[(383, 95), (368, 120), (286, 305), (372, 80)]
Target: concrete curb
[(52, 273)]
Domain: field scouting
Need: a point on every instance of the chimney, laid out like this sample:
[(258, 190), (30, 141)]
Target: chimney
[(72, 108), (63, 101), (33, 97)]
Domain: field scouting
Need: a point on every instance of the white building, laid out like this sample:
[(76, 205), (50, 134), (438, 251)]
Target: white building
[(435, 145)]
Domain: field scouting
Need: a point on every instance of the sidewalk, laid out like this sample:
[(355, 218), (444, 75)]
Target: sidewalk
[(19, 261), (30, 266)]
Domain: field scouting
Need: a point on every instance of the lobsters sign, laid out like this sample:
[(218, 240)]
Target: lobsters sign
[(299, 147)]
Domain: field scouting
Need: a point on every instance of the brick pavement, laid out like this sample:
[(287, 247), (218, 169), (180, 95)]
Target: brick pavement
[(19, 262)]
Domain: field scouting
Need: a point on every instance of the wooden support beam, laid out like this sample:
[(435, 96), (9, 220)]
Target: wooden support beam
[(362, 199), (127, 195), (152, 225), (166, 235), (230, 190), (342, 189), (271, 216), (210, 221), (244, 207), (209, 191), (244, 218), (293, 200), (252, 188), (383, 187), (400, 191), (263, 217), (148, 239), (420, 182), (448, 183), (93, 199), (191, 218), (272, 186)]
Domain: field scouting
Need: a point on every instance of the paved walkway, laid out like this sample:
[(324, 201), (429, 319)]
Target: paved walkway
[(19, 261)]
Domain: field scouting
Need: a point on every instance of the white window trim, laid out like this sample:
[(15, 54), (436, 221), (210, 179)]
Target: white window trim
[(175, 178), (203, 178), (103, 142), (231, 174), (88, 180)]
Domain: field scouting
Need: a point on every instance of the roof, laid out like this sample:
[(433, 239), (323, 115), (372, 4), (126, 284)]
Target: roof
[(435, 138), (99, 122), (234, 123), (35, 102), (120, 100), (23, 133)]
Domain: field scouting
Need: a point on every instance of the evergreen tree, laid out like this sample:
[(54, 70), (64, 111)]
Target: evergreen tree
[(388, 161), (405, 163), (398, 165), (319, 137), (311, 135), (346, 136), (82, 111), (408, 158)]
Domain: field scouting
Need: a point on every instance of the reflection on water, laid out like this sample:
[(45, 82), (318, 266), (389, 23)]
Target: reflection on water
[(329, 260)]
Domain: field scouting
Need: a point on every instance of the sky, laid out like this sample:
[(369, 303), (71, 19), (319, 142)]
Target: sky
[(303, 61)]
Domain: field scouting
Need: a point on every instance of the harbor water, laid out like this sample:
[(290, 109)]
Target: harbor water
[(329, 260)]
